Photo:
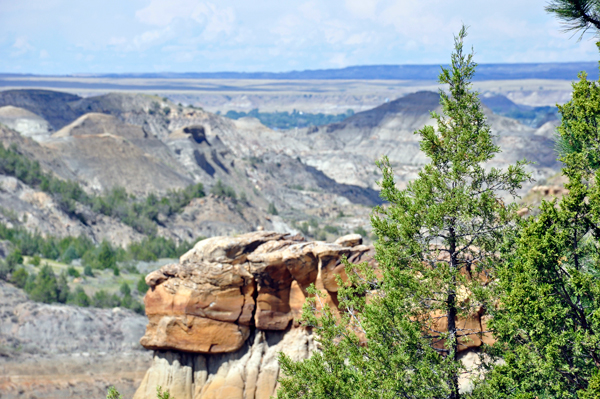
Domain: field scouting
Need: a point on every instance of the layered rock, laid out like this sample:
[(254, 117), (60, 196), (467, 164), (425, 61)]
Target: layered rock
[(218, 319), (226, 286)]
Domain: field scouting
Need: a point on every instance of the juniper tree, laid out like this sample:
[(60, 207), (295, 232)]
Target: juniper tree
[(548, 325), (438, 239)]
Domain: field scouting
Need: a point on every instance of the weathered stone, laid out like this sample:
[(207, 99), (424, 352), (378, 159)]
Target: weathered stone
[(224, 285), (232, 303)]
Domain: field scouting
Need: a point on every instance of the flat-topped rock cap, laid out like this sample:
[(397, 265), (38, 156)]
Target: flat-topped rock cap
[(224, 286)]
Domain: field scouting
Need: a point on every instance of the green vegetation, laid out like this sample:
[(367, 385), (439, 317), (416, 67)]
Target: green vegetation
[(446, 225), (576, 15), (548, 326), (103, 256), (272, 209), (286, 120), (142, 215), (46, 287), (361, 230), (141, 285), (160, 394), (223, 190)]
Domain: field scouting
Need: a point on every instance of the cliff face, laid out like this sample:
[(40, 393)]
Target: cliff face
[(219, 318)]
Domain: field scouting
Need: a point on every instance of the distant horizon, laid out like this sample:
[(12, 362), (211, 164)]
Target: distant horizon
[(485, 71), (65, 37)]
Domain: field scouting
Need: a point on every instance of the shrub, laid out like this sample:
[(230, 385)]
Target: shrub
[(102, 299), (14, 258), (272, 210), (360, 230), (124, 289), (36, 260), (71, 271), (79, 298), (19, 277), (331, 229), (142, 287), (87, 271), (45, 287), (222, 190)]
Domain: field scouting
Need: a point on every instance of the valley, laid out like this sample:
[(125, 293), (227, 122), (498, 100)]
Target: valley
[(140, 172)]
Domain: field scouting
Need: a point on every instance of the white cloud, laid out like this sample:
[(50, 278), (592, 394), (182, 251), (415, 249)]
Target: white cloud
[(44, 54), (275, 34), (151, 38), (164, 12), (21, 46), (362, 8)]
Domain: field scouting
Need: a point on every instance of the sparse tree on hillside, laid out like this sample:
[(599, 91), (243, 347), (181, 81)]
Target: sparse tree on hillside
[(438, 240)]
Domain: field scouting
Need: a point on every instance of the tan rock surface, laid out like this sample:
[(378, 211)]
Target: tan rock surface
[(225, 285), (219, 317)]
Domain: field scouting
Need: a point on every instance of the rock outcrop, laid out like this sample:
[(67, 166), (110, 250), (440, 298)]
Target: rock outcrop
[(218, 318), (225, 287)]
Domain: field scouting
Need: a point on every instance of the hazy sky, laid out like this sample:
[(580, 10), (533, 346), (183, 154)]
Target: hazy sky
[(82, 36)]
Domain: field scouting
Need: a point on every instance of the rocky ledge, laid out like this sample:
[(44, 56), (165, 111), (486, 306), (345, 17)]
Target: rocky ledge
[(218, 319)]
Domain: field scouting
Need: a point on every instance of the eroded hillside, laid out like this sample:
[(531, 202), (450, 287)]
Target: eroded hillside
[(315, 178)]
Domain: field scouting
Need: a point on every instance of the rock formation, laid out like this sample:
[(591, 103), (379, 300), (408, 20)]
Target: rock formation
[(219, 318)]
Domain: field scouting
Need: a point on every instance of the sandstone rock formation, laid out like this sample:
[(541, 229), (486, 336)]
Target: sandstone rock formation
[(218, 318), (226, 286)]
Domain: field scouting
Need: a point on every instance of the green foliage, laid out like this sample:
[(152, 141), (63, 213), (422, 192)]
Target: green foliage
[(244, 198), (286, 120), (45, 287), (87, 271), (124, 289), (160, 394), (71, 271), (593, 389), (102, 299), (79, 298), (142, 287), (154, 247), (331, 229), (361, 230), (272, 210), (102, 257), (14, 258), (222, 190), (576, 15), (36, 260), (548, 324), (113, 393), (141, 214), (446, 225), (19, 277)]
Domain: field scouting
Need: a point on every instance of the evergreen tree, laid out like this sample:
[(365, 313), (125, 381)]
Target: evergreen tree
[(44, 288), (548, 326), (437, 238), (576, 15)]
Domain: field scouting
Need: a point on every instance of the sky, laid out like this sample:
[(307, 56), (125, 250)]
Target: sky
[(124, 36)]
